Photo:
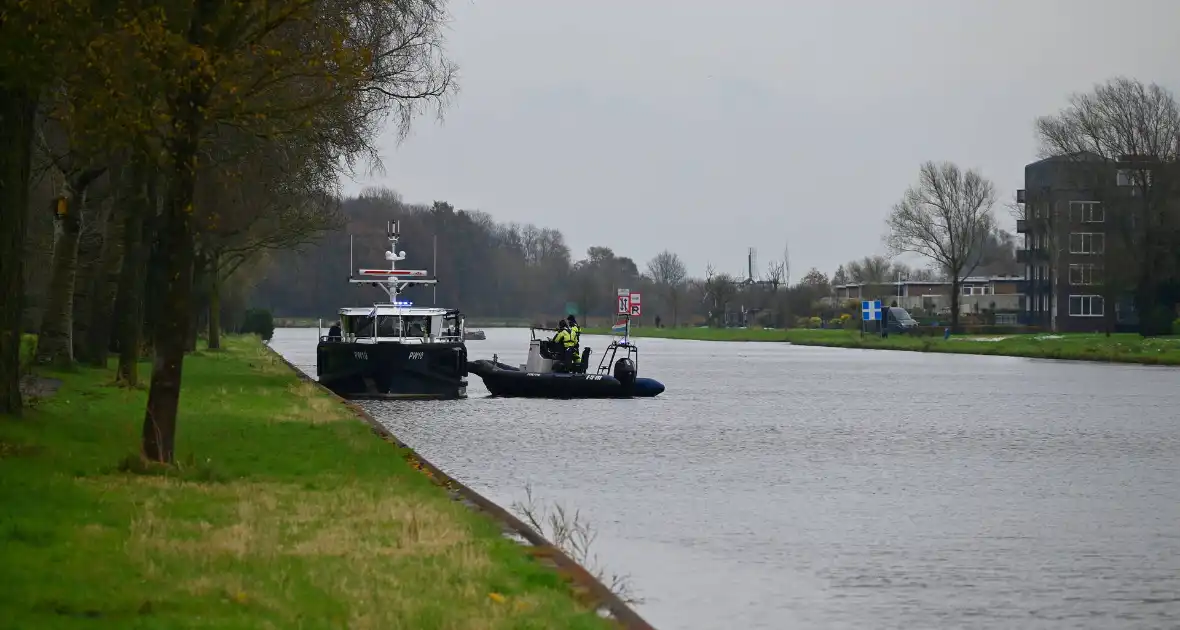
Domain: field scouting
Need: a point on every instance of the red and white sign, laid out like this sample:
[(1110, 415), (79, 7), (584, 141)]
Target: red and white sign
[(393, 272), (636, 306)]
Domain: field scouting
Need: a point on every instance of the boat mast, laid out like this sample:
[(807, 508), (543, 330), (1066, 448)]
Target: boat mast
[(393, 280)]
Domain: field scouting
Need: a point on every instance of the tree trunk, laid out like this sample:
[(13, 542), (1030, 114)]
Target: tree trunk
[(88, 283), (194, 325), (214, 303), (17, 109), (171, 329), (155, 276), (955, 290), (55, 343), (176, 239), (132, 277), (197, 300), (102, 315)]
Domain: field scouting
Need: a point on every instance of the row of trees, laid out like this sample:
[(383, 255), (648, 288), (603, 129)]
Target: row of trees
[(511, 271), (151, 151)]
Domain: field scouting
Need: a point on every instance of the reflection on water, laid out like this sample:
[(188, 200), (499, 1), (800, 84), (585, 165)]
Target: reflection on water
[(774, 486)]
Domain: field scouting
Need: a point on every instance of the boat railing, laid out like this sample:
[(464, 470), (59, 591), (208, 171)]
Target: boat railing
[(607, 360)]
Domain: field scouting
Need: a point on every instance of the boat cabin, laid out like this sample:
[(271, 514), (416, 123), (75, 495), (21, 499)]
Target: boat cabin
[(400, 323)]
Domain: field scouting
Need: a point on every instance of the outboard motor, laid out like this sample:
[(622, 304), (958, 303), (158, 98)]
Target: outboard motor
[(625, 371)]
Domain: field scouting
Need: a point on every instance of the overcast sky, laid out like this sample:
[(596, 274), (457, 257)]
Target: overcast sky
[(709, 127)]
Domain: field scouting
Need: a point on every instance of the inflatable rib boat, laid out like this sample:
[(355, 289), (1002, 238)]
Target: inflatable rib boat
[(548, 374)]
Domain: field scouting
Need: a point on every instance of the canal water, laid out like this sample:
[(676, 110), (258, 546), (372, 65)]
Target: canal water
[(776, 486)]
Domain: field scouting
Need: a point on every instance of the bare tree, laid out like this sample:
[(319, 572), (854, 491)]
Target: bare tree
[(870, 270), (776, 273), (945, 217), (668, 273), (924, 274), (815, 278), (1121, 141), (718, 290), (840, 277)]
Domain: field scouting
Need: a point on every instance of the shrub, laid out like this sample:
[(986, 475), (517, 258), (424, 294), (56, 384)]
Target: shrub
[(1176, 326), (259, 321), (28, 350)]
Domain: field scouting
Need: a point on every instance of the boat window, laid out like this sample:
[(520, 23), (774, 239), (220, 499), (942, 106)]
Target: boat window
[(451, 325), (359, 325), (416, 325), (388, 326)]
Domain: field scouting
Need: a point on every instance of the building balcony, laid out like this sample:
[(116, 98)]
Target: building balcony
[(1032, 226), (1020, 195), (1027, 256)]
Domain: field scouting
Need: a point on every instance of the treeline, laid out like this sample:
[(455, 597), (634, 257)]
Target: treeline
[(525, 272), (152, 154)]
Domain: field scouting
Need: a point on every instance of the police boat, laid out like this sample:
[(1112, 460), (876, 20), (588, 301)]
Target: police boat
[(394, 350), (550, 373)]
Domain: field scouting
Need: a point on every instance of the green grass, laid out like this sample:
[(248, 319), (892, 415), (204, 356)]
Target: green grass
[(284, 510), (1119, 348)]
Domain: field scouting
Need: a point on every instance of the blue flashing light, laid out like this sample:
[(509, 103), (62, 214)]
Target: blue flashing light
[(403, 303)]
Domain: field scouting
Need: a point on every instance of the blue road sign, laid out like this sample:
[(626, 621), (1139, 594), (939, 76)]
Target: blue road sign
[(870, 310)]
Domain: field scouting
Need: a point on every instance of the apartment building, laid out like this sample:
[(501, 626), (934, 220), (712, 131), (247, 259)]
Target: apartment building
[(1065, 228)]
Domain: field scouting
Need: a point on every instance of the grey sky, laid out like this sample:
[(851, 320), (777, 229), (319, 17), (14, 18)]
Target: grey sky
[(710, 127)]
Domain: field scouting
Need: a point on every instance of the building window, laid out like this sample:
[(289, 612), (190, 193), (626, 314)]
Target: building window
[(1006, 319), (1086, 212), (1132, 177), (974, 290), (1085, 306), (1084, 274), (1087, 242)]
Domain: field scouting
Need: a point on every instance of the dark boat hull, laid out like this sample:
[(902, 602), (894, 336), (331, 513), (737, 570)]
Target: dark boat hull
[(393, 370), (507, 381)]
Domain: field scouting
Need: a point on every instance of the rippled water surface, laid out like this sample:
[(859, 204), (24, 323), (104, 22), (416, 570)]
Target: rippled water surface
[(775, 486)]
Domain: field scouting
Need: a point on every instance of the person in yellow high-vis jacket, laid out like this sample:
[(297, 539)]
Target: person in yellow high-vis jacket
[(568, 342)]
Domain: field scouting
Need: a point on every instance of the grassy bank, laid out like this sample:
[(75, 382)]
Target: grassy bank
[(1121, 348), (284, 511)]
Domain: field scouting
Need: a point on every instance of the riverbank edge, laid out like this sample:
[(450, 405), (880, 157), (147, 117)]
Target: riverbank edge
[(935, 345), (584, 585)]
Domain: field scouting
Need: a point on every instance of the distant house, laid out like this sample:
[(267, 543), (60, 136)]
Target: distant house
[(1003, 295)]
